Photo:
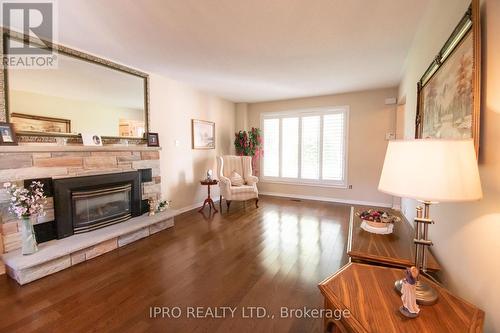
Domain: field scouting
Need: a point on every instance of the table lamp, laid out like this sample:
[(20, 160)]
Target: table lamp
[(430, 171)]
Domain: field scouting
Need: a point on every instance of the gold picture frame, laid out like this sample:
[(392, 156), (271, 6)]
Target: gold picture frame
[(72, 138), (202, 134), (449, 92)]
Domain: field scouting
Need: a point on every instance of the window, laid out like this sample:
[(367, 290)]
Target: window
[(306, 146), (272, 142), (290, 151)]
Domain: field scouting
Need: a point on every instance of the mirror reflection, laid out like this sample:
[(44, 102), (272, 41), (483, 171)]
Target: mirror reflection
[(77, 97)]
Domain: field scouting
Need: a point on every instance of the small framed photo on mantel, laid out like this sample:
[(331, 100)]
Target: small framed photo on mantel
[(91, 139), (7, 135), (153, 140)]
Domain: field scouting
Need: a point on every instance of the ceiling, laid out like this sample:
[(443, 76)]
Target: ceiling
[(252, 50)]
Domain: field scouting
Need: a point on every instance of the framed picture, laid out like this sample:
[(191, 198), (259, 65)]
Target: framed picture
[(449, 91), (153, 140), (7, 134), (91, 139), (203, 134), (29, 123)]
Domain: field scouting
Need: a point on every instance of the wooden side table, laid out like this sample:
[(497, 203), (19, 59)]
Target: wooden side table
[(208, 200), (367, 293), (396, 249)]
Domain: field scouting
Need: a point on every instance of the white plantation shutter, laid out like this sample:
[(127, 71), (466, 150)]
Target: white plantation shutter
[(290, 147), (311, 130), (333, 146), (272, 147), (306, 146)]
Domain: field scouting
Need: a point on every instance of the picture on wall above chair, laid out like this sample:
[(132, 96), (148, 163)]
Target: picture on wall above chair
[(203, 134)]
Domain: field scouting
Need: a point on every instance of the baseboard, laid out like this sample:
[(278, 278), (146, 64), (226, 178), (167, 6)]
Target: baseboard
[(193, 206), (297, 196), (327, 199)]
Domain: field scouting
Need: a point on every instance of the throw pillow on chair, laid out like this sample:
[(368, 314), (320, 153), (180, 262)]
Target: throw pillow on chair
[(236, 179)]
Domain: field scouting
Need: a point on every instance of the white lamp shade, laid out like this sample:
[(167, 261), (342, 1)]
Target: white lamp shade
[(431, 170)]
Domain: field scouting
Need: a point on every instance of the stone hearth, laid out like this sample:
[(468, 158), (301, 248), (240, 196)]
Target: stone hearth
[(56, 255)]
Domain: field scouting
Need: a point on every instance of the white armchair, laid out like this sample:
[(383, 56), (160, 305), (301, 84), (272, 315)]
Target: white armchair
[(243, 166)]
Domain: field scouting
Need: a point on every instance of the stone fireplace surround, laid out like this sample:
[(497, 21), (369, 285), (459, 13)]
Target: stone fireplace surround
[(18, 163)]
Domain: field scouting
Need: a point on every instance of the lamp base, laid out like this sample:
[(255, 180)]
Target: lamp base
[(426, 295)]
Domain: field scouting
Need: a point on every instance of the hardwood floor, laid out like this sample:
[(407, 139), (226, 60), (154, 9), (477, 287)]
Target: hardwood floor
[(269, 257)]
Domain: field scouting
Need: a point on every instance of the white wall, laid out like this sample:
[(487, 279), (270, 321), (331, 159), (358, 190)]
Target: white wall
[(369, 120), (241, 116), (173, 105), (466, 235)]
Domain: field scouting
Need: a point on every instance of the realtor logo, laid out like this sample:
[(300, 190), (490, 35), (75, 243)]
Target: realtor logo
[(28, 20)]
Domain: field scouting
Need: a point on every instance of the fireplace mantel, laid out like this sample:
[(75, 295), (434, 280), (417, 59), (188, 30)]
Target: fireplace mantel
[(73, 148)]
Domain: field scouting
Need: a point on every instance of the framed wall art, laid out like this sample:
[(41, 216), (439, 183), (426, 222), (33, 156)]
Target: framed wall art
[(449, 91), (203, 134)]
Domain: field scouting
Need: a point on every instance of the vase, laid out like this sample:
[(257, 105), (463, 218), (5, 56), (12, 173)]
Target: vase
[(28, 239)]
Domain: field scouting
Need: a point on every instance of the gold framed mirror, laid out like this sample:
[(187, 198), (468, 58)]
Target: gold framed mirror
[(82, 94)]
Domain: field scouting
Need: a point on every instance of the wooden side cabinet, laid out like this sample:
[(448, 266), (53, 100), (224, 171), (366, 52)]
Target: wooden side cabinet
[(395, 250), (367, 293)]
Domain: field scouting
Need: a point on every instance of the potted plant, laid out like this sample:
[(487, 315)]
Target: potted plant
[(249, 144), (27, 204), (164, 205)]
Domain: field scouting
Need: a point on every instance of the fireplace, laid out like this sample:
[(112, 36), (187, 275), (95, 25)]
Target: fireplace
[(88, 203), (93, 209)]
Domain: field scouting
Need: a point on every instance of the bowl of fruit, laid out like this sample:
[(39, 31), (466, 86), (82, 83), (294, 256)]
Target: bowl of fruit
[(377, 218)]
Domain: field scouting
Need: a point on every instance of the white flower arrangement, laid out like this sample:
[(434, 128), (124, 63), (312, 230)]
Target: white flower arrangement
[(26, 202)]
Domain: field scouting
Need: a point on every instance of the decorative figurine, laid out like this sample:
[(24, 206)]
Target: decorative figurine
[(152, 206), (209, 174), (410, 308)]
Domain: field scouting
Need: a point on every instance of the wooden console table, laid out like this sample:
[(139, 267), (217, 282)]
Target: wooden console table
[(367, 293), (395, 250)]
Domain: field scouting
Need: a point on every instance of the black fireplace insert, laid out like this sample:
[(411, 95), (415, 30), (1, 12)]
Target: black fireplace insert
[(87, 203)]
